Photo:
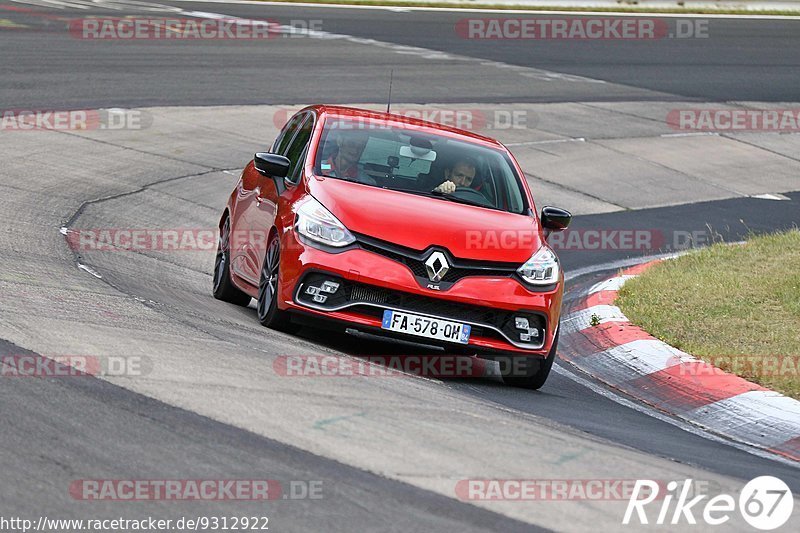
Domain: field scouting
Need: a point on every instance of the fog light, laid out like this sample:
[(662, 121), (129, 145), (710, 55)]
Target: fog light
[(527, 332), (312, 290), (330, 287), (320, 298)]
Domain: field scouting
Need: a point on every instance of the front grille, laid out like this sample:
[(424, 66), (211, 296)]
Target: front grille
[(364, 293), (415, 261), (371, 301), (426, 306)]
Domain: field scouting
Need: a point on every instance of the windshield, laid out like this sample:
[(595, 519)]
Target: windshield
[(403, 159)]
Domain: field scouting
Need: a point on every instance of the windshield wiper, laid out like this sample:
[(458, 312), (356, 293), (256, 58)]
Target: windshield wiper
[(411, 191), (343, 178), (444, 196), (460, 200)]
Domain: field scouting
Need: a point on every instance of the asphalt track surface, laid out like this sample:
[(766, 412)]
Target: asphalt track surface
[(739, 60), (61, 430)]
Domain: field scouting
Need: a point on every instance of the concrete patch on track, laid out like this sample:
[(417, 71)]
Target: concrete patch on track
[(214, 359), (588, 157)]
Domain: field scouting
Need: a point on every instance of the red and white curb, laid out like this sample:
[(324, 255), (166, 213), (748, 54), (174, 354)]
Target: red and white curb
[(629, 359)]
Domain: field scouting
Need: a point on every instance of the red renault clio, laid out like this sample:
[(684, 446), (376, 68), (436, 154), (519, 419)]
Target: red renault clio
[(397, 227)]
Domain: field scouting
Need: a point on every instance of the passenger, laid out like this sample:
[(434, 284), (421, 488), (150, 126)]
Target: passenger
[(343, 162)]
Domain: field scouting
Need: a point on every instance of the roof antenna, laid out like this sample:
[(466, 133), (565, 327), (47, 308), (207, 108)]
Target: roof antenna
[(389, 102)]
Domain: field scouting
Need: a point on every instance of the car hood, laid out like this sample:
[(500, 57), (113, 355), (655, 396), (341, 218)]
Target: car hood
[(418, 222)]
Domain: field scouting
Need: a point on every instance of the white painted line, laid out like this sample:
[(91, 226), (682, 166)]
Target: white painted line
[(769, 196), (426, 53), (547, 75), (691, 134), (90, 270), (560, 369), (611, 284), (319, 34), (550, 141), (505, 11), (53, 4), (113, 5)]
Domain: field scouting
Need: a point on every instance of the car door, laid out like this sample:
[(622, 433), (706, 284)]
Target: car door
[(270, 188), (252, 210)]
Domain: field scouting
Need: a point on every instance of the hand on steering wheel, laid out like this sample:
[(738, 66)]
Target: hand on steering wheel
[(448, 187), (468, 193)]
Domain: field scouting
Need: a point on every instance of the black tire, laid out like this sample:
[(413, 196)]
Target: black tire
[(531, 376), (223, 287), (267, 304)]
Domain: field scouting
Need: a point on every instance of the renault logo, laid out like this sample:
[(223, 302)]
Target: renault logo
[(436, 266)]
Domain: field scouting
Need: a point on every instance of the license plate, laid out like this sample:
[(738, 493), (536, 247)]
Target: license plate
[(423, 326)]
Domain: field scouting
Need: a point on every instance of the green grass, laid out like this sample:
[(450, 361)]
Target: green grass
[(737, 307), (625, 7)]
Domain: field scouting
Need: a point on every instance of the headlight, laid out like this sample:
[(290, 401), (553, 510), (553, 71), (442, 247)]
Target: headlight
[(541, 268), (318, 224)]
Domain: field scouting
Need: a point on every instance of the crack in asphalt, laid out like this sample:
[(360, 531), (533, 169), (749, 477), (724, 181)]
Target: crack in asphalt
[(669, 168), (576, 191), (78, 260), (737, 139), (129, 148)]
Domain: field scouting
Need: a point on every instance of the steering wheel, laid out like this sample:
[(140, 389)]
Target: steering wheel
[(470, 194)]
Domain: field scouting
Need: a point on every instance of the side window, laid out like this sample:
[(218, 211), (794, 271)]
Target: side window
[(297, 149), (294, 175), (286, 134)]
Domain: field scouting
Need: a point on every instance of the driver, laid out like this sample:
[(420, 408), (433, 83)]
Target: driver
[(343, 162), (461, 173)]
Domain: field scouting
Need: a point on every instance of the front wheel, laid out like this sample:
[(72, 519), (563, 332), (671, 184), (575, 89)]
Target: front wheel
[(267, 306), (526, 377)]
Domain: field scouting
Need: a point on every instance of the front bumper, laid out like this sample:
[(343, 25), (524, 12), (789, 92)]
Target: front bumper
[(370, 283)]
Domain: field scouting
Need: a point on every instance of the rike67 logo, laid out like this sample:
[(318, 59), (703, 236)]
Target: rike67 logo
[(765, 503)]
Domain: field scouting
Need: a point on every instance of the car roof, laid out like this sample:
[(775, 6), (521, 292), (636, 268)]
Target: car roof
[(355, 112)]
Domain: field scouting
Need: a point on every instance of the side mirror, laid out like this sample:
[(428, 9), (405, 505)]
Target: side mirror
[(555, 218), (273, 165)]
